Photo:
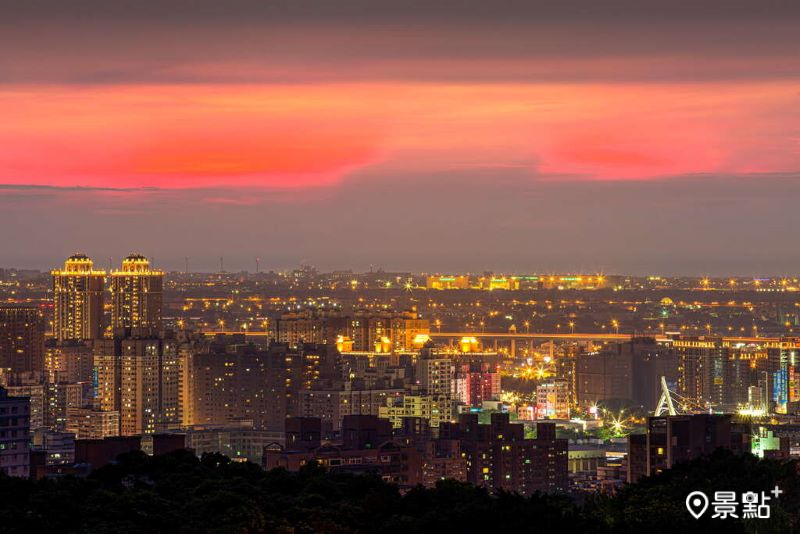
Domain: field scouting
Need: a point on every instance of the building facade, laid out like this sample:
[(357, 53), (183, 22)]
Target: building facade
[(136, 295), (78, 300), (14, 435), (21, 339)]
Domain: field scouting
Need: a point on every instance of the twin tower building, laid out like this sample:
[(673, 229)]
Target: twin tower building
[(136, 372), (79, 292)]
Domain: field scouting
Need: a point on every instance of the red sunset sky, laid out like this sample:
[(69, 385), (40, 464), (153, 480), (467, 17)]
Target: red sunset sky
[(459, 136)]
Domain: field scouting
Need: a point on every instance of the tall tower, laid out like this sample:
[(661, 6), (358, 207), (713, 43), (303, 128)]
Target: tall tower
[(136, 295), (78, 296)]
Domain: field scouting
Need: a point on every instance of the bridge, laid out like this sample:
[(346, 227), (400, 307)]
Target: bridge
[(511, 339), (597, 336), (476, 335), (602, 336)]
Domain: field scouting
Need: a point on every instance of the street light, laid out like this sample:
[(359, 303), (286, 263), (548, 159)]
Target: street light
[(615, 324), (572, 327)]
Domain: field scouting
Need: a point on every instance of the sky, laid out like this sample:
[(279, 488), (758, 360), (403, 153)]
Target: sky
[(453, 136)]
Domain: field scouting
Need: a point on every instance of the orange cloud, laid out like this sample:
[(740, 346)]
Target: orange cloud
[(315, 135), (178, 138)]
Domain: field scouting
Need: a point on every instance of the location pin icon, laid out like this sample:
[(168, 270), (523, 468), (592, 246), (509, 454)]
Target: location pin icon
[(697, 503)]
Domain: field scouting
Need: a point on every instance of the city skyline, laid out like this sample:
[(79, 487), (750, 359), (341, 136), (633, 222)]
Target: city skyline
[(209, 264), (613, 137), (395, 266)]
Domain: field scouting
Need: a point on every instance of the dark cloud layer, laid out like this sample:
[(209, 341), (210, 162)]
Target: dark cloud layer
[(151, 41)]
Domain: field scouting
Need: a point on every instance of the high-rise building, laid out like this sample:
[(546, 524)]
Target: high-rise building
[(140, 379), (714, 372), (136, 295), (605, 375), (625, 371), (21, 339), (78, 299), (262, 387), (15, 438)]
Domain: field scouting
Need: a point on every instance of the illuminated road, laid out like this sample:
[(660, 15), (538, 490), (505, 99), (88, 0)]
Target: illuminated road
[(604, 337), (538, 335), (597, 336)]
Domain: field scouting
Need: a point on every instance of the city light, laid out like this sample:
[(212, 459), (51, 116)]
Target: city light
[(405, 267)]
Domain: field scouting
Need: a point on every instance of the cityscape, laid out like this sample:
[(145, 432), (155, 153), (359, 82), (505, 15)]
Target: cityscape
[(574, 383), (399, 267)]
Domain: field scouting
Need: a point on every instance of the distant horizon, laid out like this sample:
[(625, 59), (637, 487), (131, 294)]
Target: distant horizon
[(323, 269)]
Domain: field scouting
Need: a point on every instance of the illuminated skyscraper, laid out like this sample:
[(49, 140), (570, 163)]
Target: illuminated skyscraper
[(78, 297), (136, 295)]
